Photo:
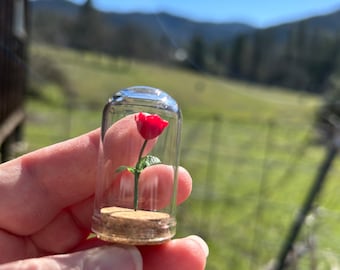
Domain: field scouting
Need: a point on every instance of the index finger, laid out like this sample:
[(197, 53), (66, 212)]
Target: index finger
[(36, 186)]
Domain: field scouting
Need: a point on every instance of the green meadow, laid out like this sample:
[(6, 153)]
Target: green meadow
[(250, 149)]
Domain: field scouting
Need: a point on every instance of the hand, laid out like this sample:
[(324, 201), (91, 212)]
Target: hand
[(46, 209)]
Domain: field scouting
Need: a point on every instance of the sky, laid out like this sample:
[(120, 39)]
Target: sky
[(259, 13)]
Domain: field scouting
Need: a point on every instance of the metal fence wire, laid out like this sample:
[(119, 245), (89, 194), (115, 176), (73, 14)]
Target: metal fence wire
[(252, 195)]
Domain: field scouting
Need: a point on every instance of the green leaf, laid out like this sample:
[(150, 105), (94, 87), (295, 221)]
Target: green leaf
[(147, 161), (131, 170), (123, 168)]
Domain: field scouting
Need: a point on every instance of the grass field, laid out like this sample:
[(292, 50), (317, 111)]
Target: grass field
[(248, 147)]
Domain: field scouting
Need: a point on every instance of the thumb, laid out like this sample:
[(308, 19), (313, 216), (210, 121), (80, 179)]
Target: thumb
[(101, 258)]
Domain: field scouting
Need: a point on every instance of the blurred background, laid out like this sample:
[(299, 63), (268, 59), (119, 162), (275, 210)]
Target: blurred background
[(259, 87)]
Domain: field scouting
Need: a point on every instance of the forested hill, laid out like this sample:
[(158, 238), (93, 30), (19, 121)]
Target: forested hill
[(301, 54), (180, 29)]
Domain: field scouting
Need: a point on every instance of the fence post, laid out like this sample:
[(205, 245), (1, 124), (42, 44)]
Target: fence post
[(14, 17), (315, 189)]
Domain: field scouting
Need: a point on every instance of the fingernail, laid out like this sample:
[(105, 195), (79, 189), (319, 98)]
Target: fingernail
[(201, 243), (119, 257)]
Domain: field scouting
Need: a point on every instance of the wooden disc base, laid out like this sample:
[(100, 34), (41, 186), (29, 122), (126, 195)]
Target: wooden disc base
[(127, 226)]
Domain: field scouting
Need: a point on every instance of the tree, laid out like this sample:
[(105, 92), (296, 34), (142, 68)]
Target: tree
[(87, 33), (257, 53), (328, 116), (219, 53), (196, 52), (236, 56), (133, 41)]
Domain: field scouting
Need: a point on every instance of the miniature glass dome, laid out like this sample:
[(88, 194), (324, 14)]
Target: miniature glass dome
[(136, 189)]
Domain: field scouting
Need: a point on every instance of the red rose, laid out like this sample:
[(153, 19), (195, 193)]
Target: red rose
[(150, 125)]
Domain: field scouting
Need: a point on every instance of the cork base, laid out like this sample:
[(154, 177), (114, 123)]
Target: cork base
[(126, 226)]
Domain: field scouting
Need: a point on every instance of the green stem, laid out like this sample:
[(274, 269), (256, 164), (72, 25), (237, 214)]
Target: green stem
[(137, 173)]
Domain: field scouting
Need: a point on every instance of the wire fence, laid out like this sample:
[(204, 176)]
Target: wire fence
[(244, 200)]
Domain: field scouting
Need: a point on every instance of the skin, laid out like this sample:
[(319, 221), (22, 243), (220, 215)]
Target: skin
[(47, 203)]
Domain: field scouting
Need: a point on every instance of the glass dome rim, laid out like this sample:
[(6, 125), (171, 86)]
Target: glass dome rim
[(156, 95)]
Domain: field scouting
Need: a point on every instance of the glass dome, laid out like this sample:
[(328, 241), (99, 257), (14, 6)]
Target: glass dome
[(136, 189)]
